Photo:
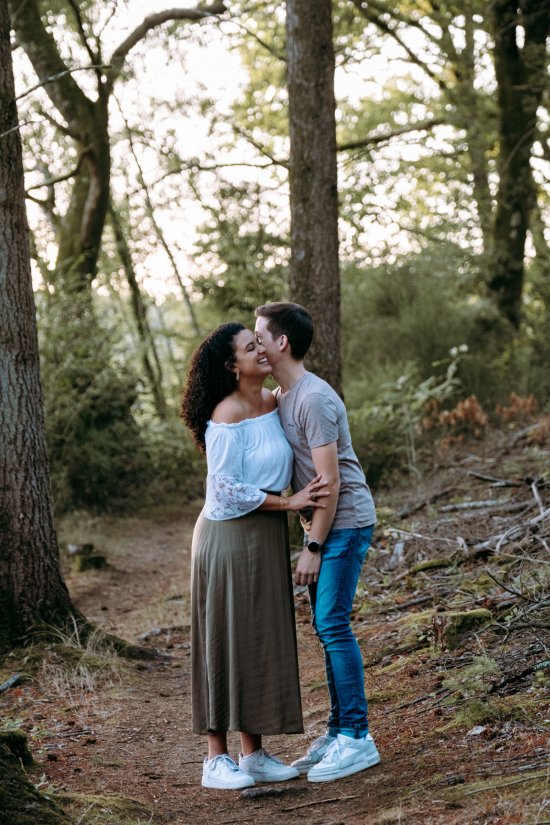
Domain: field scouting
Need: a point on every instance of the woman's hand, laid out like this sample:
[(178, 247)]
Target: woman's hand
[(309, 496)]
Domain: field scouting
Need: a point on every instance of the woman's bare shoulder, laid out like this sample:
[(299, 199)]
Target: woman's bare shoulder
[(228, 411)]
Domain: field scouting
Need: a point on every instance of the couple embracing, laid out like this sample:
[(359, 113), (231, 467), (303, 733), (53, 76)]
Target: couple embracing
[(244, 668)]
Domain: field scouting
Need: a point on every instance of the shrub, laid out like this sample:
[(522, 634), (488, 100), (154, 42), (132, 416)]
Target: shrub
[(385, 433), (176, 467), (467, 418)]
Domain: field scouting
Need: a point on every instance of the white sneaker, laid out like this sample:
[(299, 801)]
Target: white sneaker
[(345, 756), (222, 773), (315, 753), (266, 768)]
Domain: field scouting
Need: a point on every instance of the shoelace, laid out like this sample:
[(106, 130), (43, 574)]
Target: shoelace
[(228, 761), (319, 742), (334, 749)]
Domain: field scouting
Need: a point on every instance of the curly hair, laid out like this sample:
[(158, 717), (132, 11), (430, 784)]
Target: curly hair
[(209, 379)]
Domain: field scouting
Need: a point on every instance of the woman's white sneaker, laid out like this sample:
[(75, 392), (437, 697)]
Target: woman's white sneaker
[(315, 753), (344, 757), (266, 768), (222, 773)]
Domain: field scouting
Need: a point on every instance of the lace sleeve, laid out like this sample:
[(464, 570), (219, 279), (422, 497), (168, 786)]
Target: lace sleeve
[(227, 497)]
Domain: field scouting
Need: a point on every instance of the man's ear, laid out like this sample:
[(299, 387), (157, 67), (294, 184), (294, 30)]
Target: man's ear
[(283, 342)]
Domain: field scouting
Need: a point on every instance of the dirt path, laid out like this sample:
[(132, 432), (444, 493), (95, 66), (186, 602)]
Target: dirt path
[(130, 735)]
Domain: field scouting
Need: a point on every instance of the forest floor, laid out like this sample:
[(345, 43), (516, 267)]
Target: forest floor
[(453, 617)]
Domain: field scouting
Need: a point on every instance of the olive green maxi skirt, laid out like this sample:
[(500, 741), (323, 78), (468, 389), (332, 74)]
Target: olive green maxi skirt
[(244, 666)]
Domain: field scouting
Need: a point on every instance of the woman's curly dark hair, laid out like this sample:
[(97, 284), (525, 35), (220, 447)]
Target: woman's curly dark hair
[(209, 379)]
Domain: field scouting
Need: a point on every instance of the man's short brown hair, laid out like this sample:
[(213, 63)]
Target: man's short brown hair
[(292, 320)]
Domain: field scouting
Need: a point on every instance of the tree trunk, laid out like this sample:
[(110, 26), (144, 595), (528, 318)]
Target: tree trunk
[(521, 78), (314, 267), (147, 341), (150, 211), (31, 586), (471, 103)]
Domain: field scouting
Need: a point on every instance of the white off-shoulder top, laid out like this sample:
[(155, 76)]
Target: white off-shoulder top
[(244, 461)]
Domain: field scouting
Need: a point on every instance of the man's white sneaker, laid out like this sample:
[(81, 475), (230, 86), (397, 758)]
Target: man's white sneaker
[(315, 753), (345, 756), (266, 768), (222, 773)]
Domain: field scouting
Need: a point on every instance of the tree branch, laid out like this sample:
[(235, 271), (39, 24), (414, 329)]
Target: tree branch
[(261, 42), (40, 47), (375, 139), (54, 78), (275, 161), (19, 126), (376, 19), (196, 166), (61, 127), (121, 52), (61, 178), (95, 58)]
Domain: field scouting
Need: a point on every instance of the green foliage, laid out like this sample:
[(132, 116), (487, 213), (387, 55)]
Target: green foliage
[(385, 432), (96, 452), (176, 466), (410, 216), (242, 251), (400, 323), (414, 310)]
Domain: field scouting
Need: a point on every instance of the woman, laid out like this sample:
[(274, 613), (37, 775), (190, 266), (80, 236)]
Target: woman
[(244, 670)]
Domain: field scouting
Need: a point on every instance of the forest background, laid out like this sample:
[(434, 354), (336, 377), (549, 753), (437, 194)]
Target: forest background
[(443, 219), (179, 167)]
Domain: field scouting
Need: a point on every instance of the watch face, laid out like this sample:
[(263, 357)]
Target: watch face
[(313, 546)]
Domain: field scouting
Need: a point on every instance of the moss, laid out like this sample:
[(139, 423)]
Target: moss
[(82, 563), (20, 802), (473, 680), (16, 742), (383, 697), (483, 710), (478, 586), (513, 785), (403, 661), (104, 810), (474, 712), (389, 816), (460, 623), (99, 762)]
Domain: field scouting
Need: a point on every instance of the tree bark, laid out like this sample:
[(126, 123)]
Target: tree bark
[(31, 586), (314, 266), (521, 78)]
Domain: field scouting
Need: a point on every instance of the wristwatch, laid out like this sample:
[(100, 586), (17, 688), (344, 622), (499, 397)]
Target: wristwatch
[(313, 546)]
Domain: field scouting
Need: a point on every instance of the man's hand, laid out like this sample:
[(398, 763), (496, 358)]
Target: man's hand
[(307, 568)]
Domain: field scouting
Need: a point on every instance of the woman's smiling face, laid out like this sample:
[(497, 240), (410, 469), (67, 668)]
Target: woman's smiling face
[(250, 357)]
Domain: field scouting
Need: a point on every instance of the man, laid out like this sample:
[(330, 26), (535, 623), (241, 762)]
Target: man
[(337, 537)]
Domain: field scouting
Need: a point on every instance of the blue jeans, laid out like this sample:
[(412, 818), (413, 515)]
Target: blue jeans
[(331, 599)]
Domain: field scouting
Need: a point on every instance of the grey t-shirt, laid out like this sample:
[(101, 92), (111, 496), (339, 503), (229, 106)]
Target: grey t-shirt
[(313, 415)]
